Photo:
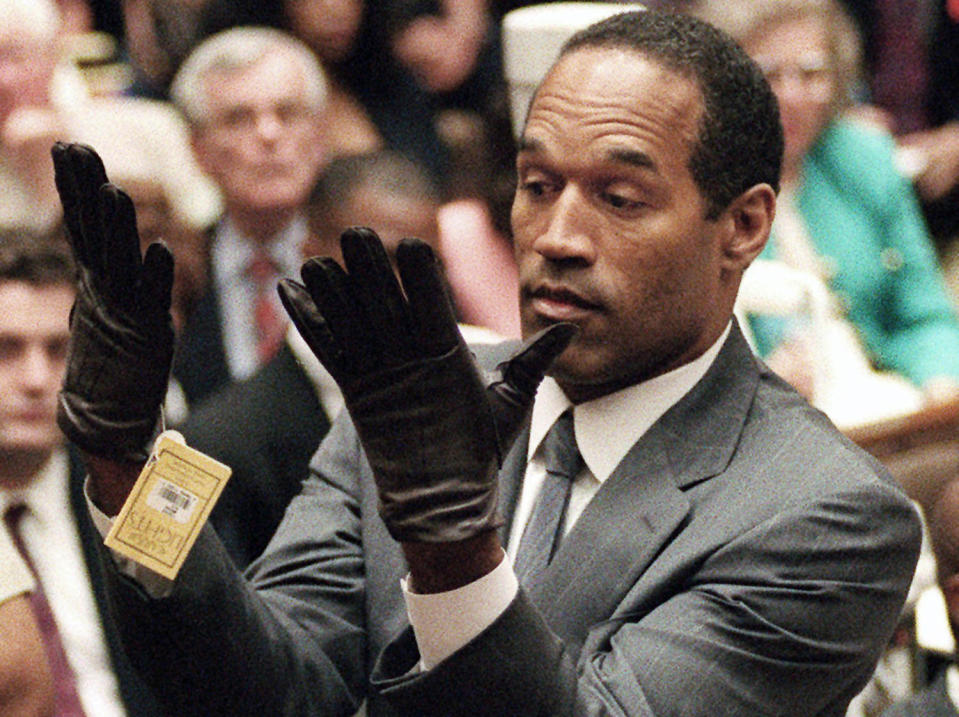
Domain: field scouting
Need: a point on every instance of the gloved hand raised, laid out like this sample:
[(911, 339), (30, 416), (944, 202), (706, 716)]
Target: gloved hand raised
[(121, 332), (433, 432)]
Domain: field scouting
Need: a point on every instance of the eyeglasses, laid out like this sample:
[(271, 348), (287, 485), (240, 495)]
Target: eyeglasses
[(812, 74), (244, 118)]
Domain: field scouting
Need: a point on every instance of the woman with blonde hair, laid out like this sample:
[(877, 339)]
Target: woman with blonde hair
[(845, 215)]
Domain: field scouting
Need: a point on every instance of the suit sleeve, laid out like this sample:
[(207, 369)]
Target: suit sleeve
[(787, 618), (287, 639)]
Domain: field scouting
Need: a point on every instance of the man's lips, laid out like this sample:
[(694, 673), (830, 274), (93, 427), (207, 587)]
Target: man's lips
[(33, 414), (560, 303)]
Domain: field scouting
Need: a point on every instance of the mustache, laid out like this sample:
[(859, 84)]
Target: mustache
[(557, 284)]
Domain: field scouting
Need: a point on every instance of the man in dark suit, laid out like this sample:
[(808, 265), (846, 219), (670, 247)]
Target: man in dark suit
[(39, 486), (722, 549), (253, 99)]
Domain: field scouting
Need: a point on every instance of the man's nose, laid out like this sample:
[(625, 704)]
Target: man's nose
[(568, 233), (37, 372), (268, 126)]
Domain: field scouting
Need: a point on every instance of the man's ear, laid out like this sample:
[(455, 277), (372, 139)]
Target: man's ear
[(748, 219)]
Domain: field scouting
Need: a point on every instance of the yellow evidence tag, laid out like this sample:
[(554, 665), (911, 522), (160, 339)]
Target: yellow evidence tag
[(169, 504)]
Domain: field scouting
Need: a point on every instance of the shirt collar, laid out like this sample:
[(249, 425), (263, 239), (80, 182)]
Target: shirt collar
[(232, 250), (630, 411)]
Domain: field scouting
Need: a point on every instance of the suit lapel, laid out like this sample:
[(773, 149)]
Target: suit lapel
[(643, 502)]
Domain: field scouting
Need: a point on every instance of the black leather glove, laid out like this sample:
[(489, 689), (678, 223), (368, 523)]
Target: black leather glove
[(433, 432), (121, 332)]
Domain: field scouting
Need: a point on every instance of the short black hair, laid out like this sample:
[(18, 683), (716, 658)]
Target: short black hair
[(740, 141), (382, 169), (40, 259)]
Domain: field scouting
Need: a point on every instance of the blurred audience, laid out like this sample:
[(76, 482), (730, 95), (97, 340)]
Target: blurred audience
[(253, 99), (911, 89), (267, 427), (940, 697), (41, 490), (332, 28), (375, 101), (847, 217), (44, 99), (159, 34), (473, 225), (442, 45)]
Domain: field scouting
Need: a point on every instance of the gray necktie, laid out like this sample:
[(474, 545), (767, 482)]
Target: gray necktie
[(544, 529)]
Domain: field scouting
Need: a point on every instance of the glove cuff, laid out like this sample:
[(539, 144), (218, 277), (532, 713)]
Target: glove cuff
[(88, 427)]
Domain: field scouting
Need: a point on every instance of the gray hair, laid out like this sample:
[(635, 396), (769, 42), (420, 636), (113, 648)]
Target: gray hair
[(747, 19), (235, 50)]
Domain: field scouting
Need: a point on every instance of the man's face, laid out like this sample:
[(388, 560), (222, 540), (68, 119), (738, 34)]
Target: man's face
[(796, 59), (609, 226), (34, 333), (392, 216), (261, 141)]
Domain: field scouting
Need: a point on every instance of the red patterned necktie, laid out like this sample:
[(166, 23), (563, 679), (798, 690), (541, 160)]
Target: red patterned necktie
[(270, 325), (68, 702)]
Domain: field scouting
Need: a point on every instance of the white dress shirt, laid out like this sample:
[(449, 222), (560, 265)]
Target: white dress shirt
[(50, 535), (231, 253), (605, 430)]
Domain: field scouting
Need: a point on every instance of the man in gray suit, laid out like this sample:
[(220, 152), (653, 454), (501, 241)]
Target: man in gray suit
[(722, 549)]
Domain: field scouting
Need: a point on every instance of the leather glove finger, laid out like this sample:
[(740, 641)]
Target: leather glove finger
[(378, 295), (312, 326), (430, 305), (75, 174), (156, 283), (352, 352), (513, 388), (120, 248)]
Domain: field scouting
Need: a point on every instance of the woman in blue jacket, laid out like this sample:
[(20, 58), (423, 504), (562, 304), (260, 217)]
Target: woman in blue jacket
[(845, 213)]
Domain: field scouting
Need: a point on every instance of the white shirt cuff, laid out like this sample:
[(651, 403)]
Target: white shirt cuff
[(153, 584), (445, 622)]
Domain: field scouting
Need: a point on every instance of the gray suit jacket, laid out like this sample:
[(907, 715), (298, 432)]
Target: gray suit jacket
[(745, 558)]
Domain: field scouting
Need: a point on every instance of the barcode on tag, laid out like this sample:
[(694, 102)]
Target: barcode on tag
[(172, 500)]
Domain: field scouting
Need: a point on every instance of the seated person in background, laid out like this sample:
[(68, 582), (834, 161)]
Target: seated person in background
[(473, 223), (941, 697), (26, 687), (43, 99), (724, 549), (253, 98), (332, 29), (41, 500), (267, 427), (845, 214)]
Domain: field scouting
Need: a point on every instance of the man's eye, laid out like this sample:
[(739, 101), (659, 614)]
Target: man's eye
[(617, 201), (9, 347), (535, 188)]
